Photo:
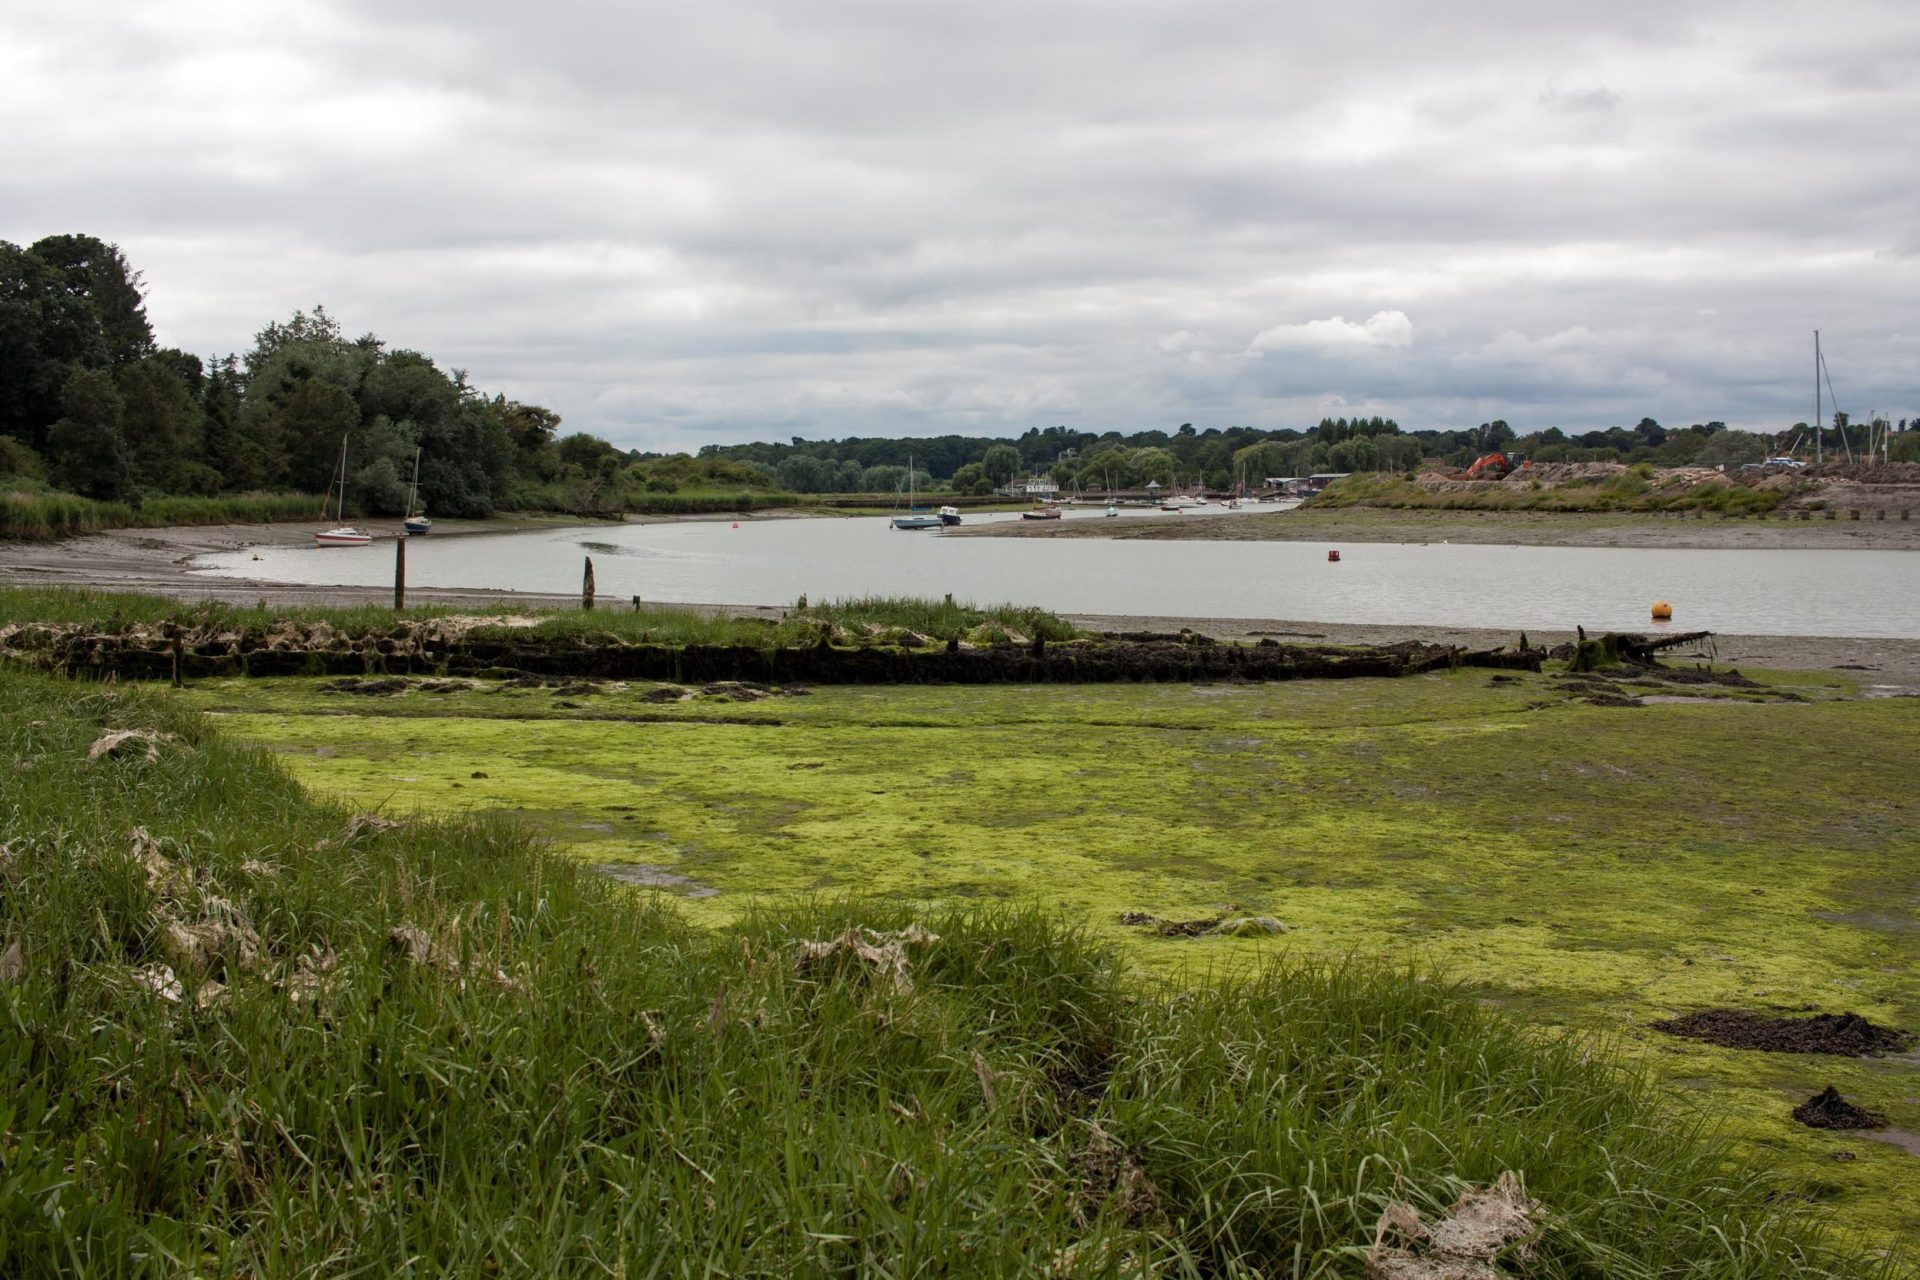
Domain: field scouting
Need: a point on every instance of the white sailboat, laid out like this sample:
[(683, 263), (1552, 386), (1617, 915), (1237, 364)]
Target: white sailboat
[(916, 518), (342, 534), (416, 522)]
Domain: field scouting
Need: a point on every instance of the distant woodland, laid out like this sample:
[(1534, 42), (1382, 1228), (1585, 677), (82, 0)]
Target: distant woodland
[(91, 405)]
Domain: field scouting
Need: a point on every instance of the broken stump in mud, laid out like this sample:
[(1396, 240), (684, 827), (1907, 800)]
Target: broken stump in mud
[(1615, 648), (586, 587)]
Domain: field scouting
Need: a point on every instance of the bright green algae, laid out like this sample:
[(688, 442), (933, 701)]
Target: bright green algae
[(1591, 867)]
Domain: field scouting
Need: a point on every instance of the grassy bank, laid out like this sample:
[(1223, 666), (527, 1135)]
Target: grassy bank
[(1631, 490), (39, 516), (872, 617), (442, 1049)]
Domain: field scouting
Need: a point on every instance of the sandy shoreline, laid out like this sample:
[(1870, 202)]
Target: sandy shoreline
[(155, 562)]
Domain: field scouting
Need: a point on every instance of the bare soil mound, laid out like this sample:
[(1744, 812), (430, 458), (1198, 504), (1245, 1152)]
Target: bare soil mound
[(1847, 1034), (1828, 1110)]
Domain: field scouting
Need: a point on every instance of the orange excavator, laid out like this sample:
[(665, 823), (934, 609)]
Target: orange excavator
[(1497, 466)]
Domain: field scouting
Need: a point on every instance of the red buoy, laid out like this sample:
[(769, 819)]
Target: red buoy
[(1333, 557)]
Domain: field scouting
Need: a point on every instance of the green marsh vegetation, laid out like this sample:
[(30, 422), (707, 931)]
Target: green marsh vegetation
[(1588, 868), (865, 618), (1630, 491), (37, 516), (446, 1048)]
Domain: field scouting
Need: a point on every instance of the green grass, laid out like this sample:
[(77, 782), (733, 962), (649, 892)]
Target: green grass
[(876, 618), (40, 516), (1630, 491), (576, 1081)]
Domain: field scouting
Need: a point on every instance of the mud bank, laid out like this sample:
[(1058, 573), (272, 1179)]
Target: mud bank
[(454, 647), (1877, 527)]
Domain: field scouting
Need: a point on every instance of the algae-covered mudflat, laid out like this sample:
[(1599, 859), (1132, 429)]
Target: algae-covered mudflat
[(1588, 866)]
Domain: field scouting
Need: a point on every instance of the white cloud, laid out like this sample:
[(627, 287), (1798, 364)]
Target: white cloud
[(1383, 330)]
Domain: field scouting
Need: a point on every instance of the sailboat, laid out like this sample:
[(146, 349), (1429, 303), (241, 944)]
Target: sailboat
[(342, 534), (416, 522), (915, 518)]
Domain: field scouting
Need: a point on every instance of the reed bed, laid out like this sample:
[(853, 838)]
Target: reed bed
[(441, 1049), (42, 516)]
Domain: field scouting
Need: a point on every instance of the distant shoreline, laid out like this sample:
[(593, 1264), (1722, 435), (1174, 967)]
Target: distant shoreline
[(1498, 528)]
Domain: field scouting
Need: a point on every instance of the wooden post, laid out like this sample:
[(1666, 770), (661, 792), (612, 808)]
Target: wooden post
[(178, 657), (636, 604), (586, 587), (400, 573)]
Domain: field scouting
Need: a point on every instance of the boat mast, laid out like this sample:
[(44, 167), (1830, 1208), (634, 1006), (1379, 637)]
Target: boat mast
[(1819, 446), (340, 509)]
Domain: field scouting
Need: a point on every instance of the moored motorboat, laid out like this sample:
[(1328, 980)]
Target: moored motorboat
[(1041, 513), (949, 515)]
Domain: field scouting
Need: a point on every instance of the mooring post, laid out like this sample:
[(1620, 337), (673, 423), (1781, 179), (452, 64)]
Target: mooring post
[(399, 573), (586, 587), (636, 604)]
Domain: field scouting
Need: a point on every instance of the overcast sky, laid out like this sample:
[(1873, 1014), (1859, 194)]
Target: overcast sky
[(682, 223)]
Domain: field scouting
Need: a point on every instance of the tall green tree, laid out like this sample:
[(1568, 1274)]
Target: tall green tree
[(46, 332), (1000, 463), (98, 273), (89, 455), (162, 423)]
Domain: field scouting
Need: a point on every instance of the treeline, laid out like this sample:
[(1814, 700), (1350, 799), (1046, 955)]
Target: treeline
[(1219, 458), (91, 405), (973, 464)]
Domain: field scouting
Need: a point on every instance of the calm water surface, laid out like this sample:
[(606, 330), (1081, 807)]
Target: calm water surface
[(1843, 593)]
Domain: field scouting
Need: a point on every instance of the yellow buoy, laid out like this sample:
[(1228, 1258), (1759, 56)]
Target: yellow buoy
[(1662, 611)]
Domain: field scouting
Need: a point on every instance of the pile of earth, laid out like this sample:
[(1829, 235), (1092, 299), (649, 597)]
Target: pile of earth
[(1846, 1034), (1828, 1110)]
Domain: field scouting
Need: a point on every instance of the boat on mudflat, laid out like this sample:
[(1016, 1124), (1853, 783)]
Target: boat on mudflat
[(342, 534), (1041, 513), (915, 518), (949, 515), (416, 524)]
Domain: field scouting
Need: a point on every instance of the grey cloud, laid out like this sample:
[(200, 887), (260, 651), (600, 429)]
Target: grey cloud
[(677, 223)]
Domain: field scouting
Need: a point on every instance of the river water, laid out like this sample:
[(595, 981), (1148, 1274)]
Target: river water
[(771, 562)]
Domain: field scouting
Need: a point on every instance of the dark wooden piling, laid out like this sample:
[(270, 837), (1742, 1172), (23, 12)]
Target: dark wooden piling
[(400, 573)]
